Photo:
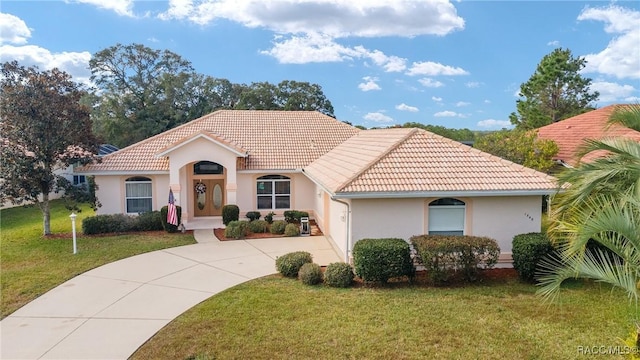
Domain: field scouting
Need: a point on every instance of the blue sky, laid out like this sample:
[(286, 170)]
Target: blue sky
[(380, 62)]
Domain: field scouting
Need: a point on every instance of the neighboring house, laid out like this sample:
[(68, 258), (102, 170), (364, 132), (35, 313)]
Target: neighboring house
[(569, 134), (355, 183)]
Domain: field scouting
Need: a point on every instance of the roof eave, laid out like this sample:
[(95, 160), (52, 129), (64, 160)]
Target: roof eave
[(122, 172), (424, 194)]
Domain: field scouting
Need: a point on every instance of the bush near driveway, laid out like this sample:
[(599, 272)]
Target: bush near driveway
[(310, 274), (339, 274), (289, 264), (378, 260)]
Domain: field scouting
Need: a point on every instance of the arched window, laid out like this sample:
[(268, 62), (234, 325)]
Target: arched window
[(446, 217), (274, 192), (138, 195), (207, 167)]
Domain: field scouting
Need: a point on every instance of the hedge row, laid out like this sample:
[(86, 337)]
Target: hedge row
[(120, 223), (300, 264), (378, 260), (442, 255)]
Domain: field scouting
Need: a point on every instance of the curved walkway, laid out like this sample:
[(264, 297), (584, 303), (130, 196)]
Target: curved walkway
[(108, 312)]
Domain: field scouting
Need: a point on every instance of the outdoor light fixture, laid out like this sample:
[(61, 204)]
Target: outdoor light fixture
[(73, 229)]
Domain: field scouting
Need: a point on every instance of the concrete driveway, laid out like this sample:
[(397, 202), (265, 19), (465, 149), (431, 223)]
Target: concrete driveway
[(108, 312)]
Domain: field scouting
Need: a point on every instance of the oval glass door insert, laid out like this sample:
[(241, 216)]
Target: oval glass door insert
[(217, 196)]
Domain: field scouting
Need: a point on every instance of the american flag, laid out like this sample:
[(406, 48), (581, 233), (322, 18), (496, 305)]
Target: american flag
[(172, 213)]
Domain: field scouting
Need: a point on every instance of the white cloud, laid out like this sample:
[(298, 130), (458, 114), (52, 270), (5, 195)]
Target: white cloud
[(316, 47), (405, 107), (369, 84), (378, 117), (462, 103), (487, 101), (620, 57), (431, 68), (389, 63), (472, 84), (494, 124), (121, 7), (612, 92), (429, 82), (339, 18), (446, 114), (436, 99), (74, 63), (13, 30), (632, 99), (554, 43)]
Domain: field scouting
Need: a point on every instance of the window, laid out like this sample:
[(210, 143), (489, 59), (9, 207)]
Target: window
[(79, 180), (446, 217), (274, 192), (138, 195), (207, 167)]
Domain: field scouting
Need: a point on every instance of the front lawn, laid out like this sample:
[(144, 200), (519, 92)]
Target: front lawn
[(32, 264), (277, 318)]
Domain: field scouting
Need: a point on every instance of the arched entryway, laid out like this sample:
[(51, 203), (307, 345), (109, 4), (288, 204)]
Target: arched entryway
[(208, 181)]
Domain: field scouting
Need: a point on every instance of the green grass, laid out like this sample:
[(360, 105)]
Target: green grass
[(277, 318), (32, 264)]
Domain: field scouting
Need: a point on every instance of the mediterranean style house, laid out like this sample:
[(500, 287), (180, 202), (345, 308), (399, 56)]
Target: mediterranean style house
[(355, 183)]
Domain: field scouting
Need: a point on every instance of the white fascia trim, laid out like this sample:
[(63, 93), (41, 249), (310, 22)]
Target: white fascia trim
[(166, 152), (271, 171), (315, 181), (422, 194), (136, 172)]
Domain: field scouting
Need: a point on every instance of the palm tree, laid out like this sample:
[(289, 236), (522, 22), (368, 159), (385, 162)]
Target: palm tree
[(602, 203), (628, 116)]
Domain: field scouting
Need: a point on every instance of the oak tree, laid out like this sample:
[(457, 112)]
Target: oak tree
[(521, 147), (43, 127)]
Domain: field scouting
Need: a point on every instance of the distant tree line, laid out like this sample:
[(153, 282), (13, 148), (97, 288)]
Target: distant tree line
[(142, 92)]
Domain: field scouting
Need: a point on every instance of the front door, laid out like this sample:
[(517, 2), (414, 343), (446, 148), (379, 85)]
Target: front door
[(208, 197)]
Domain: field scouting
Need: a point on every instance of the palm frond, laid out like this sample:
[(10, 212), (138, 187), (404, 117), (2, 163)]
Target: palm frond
[(628, 116)]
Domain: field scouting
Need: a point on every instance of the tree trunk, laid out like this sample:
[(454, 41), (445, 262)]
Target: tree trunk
[(46, 214)]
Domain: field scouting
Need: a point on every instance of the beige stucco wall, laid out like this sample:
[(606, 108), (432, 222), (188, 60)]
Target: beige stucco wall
[(387, 218), (502, 218), (303, 192), (110, 192)]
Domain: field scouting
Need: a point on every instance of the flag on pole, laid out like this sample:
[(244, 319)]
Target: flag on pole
[(172, 213)]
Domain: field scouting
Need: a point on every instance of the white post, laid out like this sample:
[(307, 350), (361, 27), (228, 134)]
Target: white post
[(73, 229)]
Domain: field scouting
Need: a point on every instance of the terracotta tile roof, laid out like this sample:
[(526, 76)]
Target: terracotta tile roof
[(414, 160), (570, 133), (273, 139)]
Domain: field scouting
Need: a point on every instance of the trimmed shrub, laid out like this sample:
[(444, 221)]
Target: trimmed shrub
[(269, 217), (289, 264), (442, 255), (238, 229), (170, 228), (253, 215), (258, 226), (293, 216), (310, 274), (527, 251), (278, 227), (339, 274), (114, 223), (291, 230), (150, 221), (230, 213), (378, 260)]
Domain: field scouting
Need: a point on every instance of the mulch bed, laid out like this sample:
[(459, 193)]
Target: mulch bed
[(422, 280), (219, 233)]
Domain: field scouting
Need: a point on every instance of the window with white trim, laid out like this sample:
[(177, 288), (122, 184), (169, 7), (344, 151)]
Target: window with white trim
[(273, 192), (446, 217), (138, 195)]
